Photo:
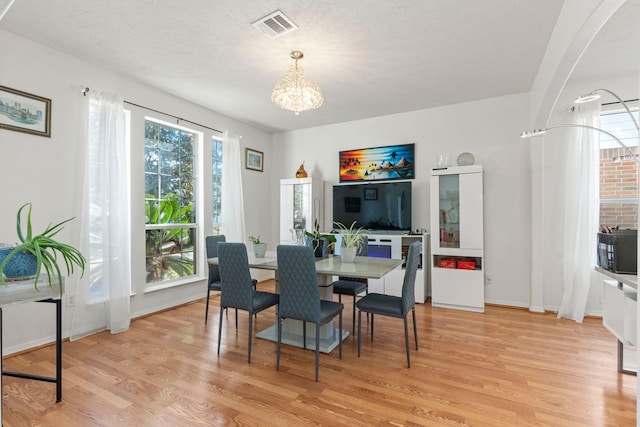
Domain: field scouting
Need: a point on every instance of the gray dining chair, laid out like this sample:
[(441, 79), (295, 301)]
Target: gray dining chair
[(237, 287), (392, 306), (353, 286), (300, 296), (213, 283)]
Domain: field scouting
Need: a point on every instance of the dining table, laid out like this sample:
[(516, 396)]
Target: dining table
[(327, 269)]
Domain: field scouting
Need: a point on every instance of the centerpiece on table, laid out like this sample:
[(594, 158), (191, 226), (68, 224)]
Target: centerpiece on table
[(352, 238), (321, 242), (259, 247)]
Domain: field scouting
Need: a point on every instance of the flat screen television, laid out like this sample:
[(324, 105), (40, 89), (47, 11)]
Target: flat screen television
[(374, 206)]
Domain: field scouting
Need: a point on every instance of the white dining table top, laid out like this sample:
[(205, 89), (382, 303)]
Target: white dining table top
[(365, 267)]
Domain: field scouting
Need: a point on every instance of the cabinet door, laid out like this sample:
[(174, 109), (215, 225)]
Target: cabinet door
[(471, 218), (296, 209), (286, 214)]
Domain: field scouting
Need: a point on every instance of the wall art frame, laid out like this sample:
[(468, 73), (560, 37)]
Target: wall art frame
[(254, 160), (24, 112), (391, 162)]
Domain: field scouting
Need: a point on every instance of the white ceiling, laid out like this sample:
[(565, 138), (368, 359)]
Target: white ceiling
[(371, 58)]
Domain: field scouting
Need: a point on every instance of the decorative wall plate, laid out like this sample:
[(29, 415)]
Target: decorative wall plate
[(465, 159)]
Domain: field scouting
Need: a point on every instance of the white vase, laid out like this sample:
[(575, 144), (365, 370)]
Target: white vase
[(348, 254), (259, 249)]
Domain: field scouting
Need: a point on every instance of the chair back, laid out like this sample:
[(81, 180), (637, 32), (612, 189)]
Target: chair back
[(299, 292), (211, 243), (408, 284), (235, 278)]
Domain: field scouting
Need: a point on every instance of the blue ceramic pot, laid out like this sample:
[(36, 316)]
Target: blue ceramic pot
[(22, 265)]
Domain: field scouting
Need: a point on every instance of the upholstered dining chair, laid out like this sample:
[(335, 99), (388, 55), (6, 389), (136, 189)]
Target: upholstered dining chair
[(353, 286), (300, 296), (237, 287), (213, 284), (387, 305)]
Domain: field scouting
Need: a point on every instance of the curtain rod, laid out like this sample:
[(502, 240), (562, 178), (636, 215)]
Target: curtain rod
[(617, 102), (175, 117), (626, 101)]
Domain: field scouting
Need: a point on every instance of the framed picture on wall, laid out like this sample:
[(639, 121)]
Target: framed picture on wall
[(254, 160), (379, 163), (24, 112)]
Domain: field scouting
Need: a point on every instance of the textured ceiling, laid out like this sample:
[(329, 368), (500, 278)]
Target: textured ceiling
[(371, 58)]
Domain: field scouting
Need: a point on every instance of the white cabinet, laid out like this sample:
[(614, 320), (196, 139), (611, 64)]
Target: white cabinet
[(457, 245), (297, 199)]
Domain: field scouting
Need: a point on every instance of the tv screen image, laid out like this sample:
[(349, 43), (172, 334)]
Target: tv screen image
[(374, 206)]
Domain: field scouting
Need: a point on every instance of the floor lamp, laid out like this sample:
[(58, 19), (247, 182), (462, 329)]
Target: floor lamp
[(588, 98)]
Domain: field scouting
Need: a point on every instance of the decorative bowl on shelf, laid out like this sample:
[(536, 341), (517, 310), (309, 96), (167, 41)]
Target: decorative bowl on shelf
[(465, 159)]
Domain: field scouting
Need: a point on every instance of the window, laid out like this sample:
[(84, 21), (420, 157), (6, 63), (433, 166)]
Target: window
[(170, 201), (618, 171), (216, 184)]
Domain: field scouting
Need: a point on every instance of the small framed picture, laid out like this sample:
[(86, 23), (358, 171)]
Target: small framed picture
[(24, 112), (254, 160), (371, 194)]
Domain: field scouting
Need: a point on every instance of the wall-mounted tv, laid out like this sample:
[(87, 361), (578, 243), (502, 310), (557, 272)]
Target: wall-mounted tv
[(374, 206)]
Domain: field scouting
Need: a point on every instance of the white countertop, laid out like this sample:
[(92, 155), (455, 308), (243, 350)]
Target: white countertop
[(627, 279)]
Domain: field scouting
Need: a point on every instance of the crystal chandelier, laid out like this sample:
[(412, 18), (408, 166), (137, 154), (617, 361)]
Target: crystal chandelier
[(295, 92)]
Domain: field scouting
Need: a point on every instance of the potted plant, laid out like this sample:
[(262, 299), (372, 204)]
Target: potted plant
[(39, 250), (351, 240), (259, 248), (320, 242)]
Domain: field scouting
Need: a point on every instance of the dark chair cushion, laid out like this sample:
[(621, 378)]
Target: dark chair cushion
[(264, 300), (349, 287), (329, 310), (386, 305)]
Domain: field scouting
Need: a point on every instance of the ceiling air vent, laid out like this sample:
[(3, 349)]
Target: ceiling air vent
[(275, 25)]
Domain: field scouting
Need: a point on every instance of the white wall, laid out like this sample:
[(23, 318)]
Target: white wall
[(489, 129), (42, 170)]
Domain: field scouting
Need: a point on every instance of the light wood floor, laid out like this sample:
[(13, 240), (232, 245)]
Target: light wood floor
[(506, 367)]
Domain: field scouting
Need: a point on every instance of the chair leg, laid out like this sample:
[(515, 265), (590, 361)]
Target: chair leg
[(415, 329), (236, 319), (220, 328), (279, 343), (318, 349), (250, 329), (406, 340), (354, 313), (206, 310), (371, 327), (304, 335), (340, 329), (359, 329)]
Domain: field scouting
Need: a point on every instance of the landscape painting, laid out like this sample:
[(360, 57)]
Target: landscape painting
[(24, 112), (380, 163)]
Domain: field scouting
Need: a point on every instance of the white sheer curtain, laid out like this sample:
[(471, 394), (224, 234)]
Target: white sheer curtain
[(103, 294), (232, 197), (581, 210)]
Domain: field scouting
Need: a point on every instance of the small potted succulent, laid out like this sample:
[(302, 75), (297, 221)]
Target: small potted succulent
[(259, 247), (351, 240), (26, 259)]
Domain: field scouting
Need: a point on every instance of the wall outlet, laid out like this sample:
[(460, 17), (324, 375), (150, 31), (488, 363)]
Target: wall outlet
[(71, 300)]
